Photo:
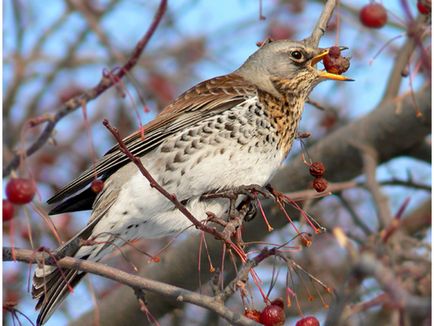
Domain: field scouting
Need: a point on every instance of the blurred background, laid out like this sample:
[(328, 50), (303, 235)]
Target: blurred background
[(54, 50)]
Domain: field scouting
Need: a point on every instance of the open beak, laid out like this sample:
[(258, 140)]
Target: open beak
[(325, 74)]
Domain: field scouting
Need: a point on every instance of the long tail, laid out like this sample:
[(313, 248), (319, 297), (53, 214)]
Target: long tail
[(51, 285)]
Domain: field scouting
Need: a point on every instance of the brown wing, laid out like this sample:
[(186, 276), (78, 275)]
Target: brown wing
[(200, 102)]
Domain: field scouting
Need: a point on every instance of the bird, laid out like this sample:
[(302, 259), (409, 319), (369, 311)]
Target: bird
[(222, 133)]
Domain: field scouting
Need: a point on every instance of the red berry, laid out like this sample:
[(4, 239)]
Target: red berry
[(20, 191), (373, 15), (424, 7), (334, 63), (272, 315), (308, 321), (278, 302), (317, 169), (8, 210), (320, 184), (97, 185), (334, 52)]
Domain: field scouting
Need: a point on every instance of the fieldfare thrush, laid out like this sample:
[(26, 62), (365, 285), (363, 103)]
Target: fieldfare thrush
[(225, 132)]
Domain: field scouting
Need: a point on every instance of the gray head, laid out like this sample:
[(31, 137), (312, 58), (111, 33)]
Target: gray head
[(290, 62)]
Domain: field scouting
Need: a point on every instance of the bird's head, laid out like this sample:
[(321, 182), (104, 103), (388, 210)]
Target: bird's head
[(287, 64)]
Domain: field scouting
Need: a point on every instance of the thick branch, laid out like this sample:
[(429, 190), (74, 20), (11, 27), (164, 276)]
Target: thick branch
[(133, 281)]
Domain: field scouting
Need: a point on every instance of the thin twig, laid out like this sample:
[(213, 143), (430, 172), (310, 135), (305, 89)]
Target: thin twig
[(321, 24), (134, 281), (105, 83)]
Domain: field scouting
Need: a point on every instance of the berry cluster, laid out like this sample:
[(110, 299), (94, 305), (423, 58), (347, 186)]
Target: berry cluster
[(19, 191), (317, 169)]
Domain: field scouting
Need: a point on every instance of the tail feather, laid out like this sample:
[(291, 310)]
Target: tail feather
[(57, 286), (51, 285)]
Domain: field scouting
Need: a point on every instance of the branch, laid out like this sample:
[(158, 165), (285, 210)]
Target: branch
[(370, 164), (106, 82), (133, 281), (321, 24), (371, 266)]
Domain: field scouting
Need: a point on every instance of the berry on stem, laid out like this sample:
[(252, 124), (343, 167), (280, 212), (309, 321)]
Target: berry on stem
[(317, 169), (97, 185), (320, 184), (8, 210), (373, 15), (20, 191), (308, 321), (272, 315)]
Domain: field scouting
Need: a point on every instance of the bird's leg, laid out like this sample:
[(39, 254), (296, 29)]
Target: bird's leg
[(247, 209), (250, 191)]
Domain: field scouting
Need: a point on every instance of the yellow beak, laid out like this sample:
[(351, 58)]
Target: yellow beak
[(325, 74)]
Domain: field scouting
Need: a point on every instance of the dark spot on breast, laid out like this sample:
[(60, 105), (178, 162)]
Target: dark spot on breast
[(220, 120), (165, 149), (192, 132), (179, 158), (184, 202), (229, 126), (222, 150), (170, 167), (207, 130), (125, 212), (195, 144), (182, 172), (242, 140), (188, 150), (178, 144), (130, 226)]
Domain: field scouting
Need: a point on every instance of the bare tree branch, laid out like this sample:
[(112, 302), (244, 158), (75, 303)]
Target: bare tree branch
[(321, 24), (133, 281), (105, 83)]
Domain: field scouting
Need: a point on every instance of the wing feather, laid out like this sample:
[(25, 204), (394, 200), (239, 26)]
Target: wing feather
[(198, 103)]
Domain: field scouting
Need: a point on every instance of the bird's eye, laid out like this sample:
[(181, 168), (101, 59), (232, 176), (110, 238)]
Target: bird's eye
[(297, 55)]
